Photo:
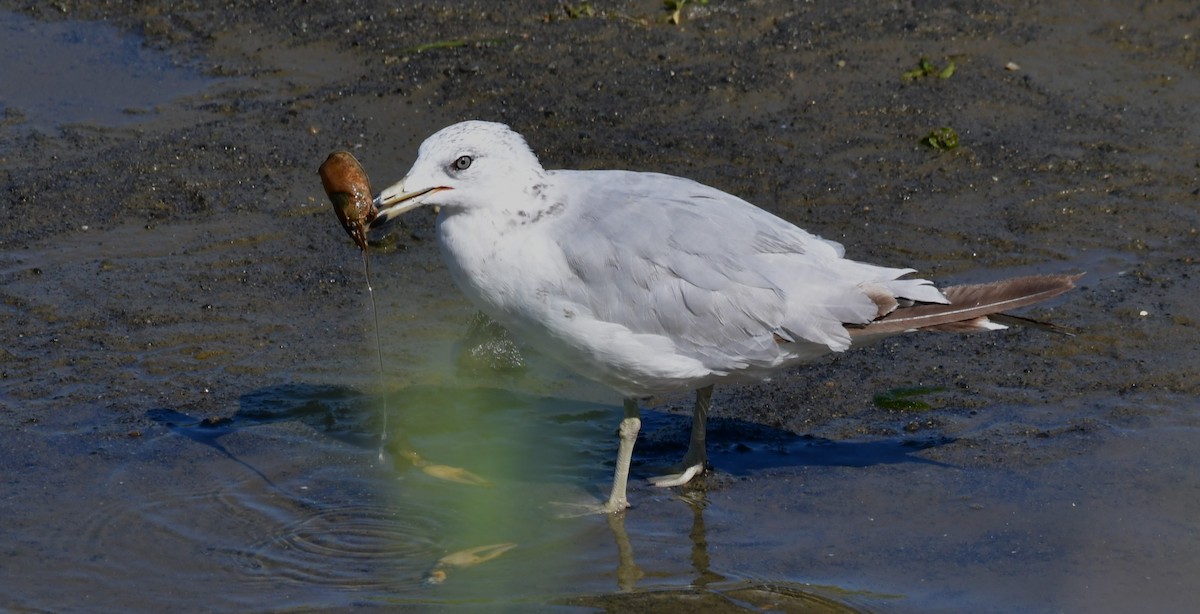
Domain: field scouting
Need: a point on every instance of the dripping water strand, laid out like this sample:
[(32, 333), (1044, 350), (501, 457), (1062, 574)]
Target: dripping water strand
[(383, 410)]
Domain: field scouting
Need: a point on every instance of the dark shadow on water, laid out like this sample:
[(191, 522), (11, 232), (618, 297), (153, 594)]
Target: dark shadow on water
[(735, 446), (805, 450), (340, 412), (741, 448), (206, 431)]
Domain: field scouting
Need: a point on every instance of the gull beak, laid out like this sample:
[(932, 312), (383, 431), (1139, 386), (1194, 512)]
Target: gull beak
[(394, 201)]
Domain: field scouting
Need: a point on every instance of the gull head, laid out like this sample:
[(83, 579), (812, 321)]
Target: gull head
[(467, 165)]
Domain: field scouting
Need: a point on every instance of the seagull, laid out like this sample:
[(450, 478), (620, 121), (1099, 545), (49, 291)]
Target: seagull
[(650, 283)]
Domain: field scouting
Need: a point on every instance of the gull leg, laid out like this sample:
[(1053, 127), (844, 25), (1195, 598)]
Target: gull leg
[(697, 456), (630, 426)]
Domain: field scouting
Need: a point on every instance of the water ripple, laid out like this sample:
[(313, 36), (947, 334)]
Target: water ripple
[(355, 546)]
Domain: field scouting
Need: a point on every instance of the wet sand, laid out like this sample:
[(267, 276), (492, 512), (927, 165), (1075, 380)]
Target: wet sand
[(185, 266)]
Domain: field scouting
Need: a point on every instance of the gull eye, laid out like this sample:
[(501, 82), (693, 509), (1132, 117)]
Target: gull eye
[(462, 163)]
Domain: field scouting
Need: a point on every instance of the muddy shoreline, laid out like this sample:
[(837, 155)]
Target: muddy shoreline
[(188, 259)]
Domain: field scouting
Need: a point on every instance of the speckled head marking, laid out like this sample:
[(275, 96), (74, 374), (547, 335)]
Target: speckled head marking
[(469, 165)]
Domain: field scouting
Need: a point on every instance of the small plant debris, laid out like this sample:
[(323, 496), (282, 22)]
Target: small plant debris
[(944, 138), (902, 399), (454, 44), (577, 11), (676, 8), (926, 69)]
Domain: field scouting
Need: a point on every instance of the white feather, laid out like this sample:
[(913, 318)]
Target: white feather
[(645, 282)]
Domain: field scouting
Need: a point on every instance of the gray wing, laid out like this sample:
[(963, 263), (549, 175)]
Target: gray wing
[(722, 278)]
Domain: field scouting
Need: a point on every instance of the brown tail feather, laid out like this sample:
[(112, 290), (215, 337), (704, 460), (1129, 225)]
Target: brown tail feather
[(1009, 319), (970, 305)]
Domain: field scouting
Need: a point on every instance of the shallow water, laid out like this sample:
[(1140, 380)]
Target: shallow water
[(72, 72), (190, 404), (287, 498)]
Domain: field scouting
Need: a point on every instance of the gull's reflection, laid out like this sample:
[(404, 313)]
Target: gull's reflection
[(698, 500), (628, 572)]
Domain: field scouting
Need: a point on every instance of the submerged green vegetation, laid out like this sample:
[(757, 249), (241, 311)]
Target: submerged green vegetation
[(904, 399)]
